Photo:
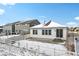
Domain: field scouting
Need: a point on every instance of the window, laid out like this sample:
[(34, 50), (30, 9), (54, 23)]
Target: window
[(49, 32), (46, 32), (34, 31), (59, 33), (42, 32), (75, 38)]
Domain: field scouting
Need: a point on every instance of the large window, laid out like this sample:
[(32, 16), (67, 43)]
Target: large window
[(46, 32), (59, 33), (35, 32), (49, 32), (42, 32)]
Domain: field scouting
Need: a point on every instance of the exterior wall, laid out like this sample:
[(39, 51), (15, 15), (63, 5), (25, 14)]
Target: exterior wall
[(8, 28), (20, 27), (65, 33), (1, 30), (52, 36), (17, 28)]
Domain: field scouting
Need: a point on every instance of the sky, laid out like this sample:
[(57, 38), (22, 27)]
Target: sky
[(63, 13)]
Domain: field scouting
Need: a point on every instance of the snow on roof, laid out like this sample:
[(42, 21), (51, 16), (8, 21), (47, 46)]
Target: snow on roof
[(38, 26), (52, 24)]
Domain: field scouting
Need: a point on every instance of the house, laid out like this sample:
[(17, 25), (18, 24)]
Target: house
[(1, 29), (19, 26), (50, 30), (24, 26), (9, 28)]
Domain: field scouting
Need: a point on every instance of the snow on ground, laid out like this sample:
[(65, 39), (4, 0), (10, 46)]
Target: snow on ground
[(3, 38), (46, 48), (31, 48), (7, 50), (23, 43), (8, 36)]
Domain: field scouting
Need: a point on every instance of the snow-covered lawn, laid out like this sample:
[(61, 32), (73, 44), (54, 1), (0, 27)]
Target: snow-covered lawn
[(7, 50), (8, 36), (3, 38), (31, 48), (42, 48)]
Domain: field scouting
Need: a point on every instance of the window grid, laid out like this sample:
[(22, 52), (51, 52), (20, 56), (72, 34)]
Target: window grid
[(35, 32), (59, 33), (46, 32)]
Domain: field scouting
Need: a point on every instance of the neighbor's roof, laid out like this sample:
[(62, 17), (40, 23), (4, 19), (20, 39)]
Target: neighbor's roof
[(50, 25), (28, 21), (23, 22), (12, 23)]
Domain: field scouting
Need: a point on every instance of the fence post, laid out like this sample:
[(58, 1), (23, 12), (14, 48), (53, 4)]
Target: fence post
[(9, 48), (27, 46), (38, 49), (18, 44)]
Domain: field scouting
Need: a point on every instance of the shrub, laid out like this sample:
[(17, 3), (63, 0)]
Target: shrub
[(72, 48)]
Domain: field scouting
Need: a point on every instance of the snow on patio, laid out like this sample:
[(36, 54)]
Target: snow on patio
[(39, 47)]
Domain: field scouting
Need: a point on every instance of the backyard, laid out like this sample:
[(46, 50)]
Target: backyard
[(31, 48)]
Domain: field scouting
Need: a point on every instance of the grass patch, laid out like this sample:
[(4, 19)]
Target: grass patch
[(58, 41), (53, 41)]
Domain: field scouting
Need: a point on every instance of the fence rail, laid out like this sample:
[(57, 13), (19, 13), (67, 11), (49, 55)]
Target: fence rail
[(6, 49)]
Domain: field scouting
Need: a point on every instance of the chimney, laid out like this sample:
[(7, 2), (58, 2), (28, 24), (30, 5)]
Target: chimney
[(48, 23)]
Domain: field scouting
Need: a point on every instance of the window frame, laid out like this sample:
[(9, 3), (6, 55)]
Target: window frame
[(46, 32), (59, 33), (35, 32)]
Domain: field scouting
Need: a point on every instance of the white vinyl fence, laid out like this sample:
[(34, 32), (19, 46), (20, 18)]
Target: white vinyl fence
[(10, 50)]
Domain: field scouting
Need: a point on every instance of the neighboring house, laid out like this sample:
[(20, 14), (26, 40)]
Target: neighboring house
[(19, 26), (9, 28), (50, 30), (24, 26), (1, 29)]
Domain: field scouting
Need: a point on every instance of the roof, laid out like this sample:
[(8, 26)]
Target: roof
[(12, 23), (23, 22), (28, 21), (54, 24), (48, 25), (38, 26)]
